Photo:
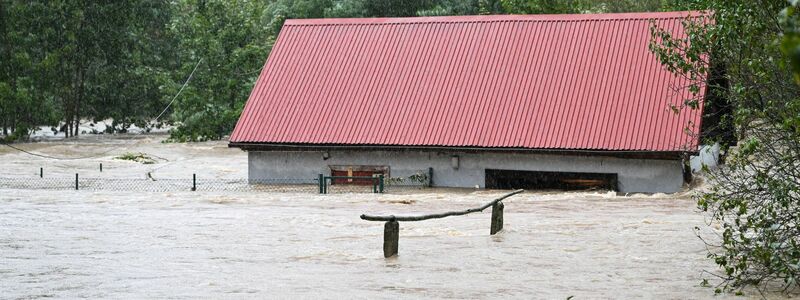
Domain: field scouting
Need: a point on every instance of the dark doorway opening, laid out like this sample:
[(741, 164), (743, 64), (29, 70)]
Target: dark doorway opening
[(537, 180)]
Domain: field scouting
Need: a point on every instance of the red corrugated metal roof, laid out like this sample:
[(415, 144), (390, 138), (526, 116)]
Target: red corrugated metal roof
[(513, 81)]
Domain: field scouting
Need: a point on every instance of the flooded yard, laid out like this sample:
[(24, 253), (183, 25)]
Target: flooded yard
[(237, 244)]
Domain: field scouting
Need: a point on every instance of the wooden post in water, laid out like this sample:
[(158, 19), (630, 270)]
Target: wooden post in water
[(194, 182), (76, 181), (41, 172), (497, 218), (391, 238), (101, 167), (391, 229)]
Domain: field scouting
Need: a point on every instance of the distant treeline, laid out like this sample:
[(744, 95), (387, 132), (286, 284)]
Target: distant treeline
[(66, 60)]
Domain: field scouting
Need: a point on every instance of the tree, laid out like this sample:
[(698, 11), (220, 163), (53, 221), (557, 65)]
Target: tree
[(755, 197), (579, 6), (369, 8), (22, 104), (232, 38), (137, 82), (68, 60)]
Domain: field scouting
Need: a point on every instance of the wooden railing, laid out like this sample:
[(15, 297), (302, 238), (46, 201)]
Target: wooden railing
[(391, 229)]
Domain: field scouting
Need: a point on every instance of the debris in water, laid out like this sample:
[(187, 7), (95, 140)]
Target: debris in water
[(137, 157), (403, 201)]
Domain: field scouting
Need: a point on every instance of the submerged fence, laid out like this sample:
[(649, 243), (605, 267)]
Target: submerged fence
[(321, 184), (158, 185)]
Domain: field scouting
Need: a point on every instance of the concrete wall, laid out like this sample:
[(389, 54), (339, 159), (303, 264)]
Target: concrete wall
[(634, 175)]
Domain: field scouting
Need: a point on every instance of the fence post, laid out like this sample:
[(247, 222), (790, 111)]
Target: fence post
[(320, 183), (391, 238), (41, 172), (497, 218), (76, 181), (194, 182), (380, 183)]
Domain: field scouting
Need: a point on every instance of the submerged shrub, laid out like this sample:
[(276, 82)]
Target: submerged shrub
[(137, 157)]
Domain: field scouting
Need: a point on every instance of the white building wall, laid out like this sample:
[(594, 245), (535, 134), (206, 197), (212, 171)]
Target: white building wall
[(634, 175)]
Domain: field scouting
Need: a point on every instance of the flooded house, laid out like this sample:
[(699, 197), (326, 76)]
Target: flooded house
[(503, 101)]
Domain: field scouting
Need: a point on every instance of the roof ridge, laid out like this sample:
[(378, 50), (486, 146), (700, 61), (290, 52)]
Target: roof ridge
[(496, 18)]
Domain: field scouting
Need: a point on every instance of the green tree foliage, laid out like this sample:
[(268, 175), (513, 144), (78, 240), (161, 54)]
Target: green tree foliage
[(578, 6), (70, 59), (67, 60), (232, 38), (790, 44), (19, 73), (139, 79), (369, 8), (755, 197)]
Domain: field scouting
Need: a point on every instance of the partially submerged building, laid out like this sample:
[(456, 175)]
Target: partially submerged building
[(507, 101)]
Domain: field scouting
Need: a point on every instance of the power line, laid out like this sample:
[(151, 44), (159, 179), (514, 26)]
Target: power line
[(185, 83), (58, 158)]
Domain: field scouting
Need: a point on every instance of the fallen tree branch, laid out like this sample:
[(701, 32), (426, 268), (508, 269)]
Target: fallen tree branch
[(438, 216)]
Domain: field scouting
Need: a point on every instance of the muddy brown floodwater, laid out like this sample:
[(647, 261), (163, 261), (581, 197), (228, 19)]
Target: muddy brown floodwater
[(107, 244)]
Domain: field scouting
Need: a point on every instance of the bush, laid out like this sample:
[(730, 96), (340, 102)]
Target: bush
[(137, 157), (736, 58), (755, 199), (21, 133)]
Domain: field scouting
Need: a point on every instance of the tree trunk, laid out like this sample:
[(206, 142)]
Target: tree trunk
[(79, 79), (4, 45), (67, 117), (79, 97), (69, 114), (77, 124), (4, 120)]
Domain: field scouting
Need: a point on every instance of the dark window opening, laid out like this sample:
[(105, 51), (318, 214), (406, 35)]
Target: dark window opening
[(537, 180), (357, 171)]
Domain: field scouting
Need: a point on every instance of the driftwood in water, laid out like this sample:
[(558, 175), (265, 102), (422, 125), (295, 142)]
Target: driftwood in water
[(438, 216)]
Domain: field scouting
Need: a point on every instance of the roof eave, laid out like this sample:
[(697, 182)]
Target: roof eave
[(257, 146)]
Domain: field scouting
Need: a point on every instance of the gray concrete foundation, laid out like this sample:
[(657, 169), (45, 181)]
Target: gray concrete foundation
[(467, 169)]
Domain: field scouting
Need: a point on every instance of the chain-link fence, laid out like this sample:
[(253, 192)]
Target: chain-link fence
[(194, 184), (160, 185)]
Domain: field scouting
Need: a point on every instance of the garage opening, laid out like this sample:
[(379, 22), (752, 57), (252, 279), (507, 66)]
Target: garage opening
[(357, 171), (539, 180)]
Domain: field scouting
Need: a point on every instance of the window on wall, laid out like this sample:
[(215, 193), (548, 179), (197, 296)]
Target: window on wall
[(514, 179), (357, 171)]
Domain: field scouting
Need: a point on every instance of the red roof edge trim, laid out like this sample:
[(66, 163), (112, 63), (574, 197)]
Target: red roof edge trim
[(318, 147)]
